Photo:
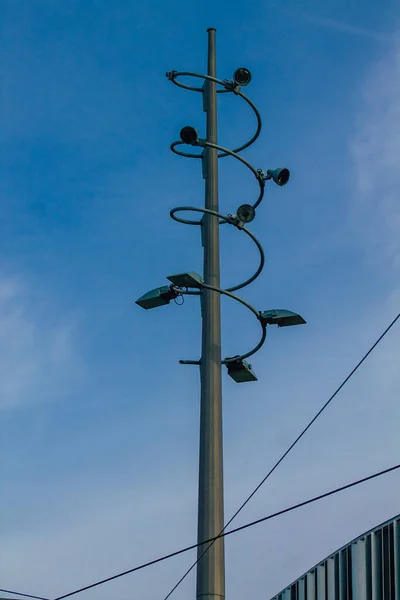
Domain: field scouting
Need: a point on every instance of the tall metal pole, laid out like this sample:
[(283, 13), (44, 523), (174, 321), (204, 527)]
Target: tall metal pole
[(211, 567), (211, 560)]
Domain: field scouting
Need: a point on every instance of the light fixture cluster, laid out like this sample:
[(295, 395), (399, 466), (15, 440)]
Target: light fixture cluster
[(239, 369)]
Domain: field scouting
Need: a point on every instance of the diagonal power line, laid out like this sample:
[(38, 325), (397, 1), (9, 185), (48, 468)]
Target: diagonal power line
[(21, 594), (223, 533), (226, 533), (276, 465)]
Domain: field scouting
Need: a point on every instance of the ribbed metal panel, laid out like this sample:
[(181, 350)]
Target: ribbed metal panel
[(376, 565), (396, 542), (321, 581), (302, 589), (367, 568), (332, 578), (359, 571)]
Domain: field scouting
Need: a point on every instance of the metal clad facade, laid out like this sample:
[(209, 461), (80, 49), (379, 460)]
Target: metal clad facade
[(368, 568), (396, 542)]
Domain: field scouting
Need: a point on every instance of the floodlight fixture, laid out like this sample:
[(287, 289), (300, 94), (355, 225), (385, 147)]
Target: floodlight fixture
[(242, 76), (157, 297), (280, 176), (189, 135), (187, 280), (245, 213), (240, 371), (281, 317)]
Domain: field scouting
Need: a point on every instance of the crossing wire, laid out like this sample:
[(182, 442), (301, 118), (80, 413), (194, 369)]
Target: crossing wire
[(276, 465), (226, 533)]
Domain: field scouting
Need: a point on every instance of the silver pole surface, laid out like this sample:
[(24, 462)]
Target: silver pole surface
[(211, 567)]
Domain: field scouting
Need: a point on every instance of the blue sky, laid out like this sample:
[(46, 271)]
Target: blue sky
[(99, 422)]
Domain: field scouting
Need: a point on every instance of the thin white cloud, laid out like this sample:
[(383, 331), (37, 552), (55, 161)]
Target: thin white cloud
[(109, 529), (340, 26), (36, 354), (375, 151)]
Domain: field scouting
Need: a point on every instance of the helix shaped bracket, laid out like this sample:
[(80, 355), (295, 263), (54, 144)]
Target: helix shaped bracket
[(190, 136), (192, 283)]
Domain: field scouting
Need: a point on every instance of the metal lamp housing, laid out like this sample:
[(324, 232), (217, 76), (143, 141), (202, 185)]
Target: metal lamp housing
[(158, 297), (189, 135), (281, 317), (280, 176), (187, 280), (242, 76), (241, 371), (245, 213)]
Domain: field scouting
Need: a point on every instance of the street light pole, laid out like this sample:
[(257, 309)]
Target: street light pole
[(210, 558), (211, 566)]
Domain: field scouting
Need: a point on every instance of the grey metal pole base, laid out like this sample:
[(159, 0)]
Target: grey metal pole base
[(211, 567)]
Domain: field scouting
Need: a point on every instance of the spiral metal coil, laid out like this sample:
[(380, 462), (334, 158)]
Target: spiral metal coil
[(231, 219)]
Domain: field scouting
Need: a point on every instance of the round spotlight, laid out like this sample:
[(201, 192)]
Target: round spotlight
[(280, 176), (245, 213), (189, 135), (242, 76)]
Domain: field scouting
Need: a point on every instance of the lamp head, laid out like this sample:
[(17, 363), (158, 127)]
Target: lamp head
[(245, 213), (187, 280), (280, 176), (281, 317), (189, 135), (157, 297), (240, 371), (242, 76)]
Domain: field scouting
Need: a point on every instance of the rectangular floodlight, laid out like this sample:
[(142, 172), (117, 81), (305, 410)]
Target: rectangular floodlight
[(157, 297), (241, 371), (281, 317), (190, 279)]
